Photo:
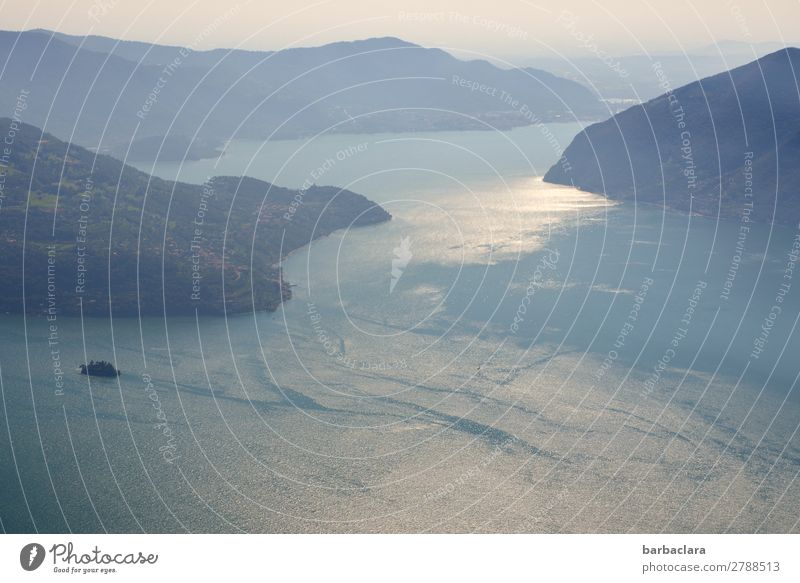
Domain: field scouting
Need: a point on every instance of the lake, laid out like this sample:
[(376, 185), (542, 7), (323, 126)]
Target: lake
[(503, 356)]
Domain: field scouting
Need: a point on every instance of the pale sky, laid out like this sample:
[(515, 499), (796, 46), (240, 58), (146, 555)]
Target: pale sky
[(495, 28)]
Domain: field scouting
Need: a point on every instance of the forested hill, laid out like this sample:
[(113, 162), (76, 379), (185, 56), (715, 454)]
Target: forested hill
[(117, 94), (84, 230), (727, 144)]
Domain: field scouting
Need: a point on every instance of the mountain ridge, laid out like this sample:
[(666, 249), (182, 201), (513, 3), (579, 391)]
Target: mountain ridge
[(110, 99)]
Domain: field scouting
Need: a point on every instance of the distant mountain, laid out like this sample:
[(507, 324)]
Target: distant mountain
[(731, 48), (110, 94), (712, 146), (145, 53), (81, 231), (627, 79)]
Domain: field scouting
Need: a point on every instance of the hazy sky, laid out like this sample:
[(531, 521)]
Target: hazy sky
[(501, 28)]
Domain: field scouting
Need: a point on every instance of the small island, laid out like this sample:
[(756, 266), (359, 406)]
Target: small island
[(101, 368)]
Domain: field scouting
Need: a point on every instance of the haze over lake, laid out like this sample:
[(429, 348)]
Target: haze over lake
[(504, 355)]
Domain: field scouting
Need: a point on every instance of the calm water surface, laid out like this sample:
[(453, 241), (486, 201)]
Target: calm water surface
[(504, 355)]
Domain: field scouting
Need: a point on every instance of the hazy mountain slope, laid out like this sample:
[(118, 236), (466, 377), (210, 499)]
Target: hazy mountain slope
[(693, 148), (633, 77), (95, 97), (146, 53)]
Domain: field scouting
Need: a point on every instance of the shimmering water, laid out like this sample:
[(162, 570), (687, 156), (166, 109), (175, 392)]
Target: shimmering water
[(504, 355)]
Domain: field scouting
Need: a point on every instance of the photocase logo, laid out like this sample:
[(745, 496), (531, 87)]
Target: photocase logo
[(402, 255), (31, 556)]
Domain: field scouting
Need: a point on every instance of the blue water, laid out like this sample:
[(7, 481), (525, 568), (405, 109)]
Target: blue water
[(504, 355)]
